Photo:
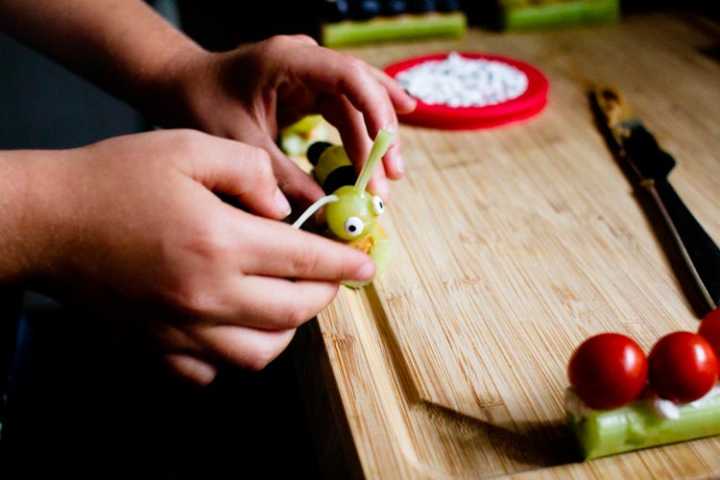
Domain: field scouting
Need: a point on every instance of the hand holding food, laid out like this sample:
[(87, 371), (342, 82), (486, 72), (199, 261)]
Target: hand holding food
[(251, 93), (133, 228), (351, 212)]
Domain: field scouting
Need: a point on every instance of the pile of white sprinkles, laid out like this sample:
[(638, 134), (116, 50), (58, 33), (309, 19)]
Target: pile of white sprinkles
[(463, 82)]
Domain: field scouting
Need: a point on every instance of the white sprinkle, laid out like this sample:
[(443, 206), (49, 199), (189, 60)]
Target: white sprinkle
[(463, 82)]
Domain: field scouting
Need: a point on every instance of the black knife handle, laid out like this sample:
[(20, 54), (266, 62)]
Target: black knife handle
[(697, 247)]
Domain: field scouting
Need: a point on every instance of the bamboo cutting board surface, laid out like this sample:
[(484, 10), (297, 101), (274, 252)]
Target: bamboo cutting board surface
[(514, 245)]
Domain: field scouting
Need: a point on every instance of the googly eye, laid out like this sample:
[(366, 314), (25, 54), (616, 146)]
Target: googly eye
[(378, 205), (354, 226)]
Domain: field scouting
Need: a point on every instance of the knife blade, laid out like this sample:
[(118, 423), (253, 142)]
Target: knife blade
[(651, 165)]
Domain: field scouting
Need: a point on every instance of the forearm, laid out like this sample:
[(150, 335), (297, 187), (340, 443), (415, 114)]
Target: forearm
[(27, 203), (121, 45)]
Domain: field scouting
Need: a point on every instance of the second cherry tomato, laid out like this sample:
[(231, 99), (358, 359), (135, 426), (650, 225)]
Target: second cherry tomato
[(710, 330), (608, 371), (683, 367)]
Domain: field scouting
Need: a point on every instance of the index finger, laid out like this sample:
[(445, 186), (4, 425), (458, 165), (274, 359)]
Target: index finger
[(278, 250), (357, 144), (340, 74), (403, 102)]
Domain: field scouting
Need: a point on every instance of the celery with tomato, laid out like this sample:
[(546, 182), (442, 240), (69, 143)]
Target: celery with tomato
[(620, 400)]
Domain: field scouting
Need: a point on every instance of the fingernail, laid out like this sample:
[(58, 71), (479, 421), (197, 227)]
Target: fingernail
[(366, 272), (282, 203), (412, 105), (397, 160)]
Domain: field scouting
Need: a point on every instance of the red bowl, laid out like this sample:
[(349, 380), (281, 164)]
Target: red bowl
[(443, 117)]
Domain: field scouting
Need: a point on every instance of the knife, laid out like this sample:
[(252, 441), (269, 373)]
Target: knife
[(651, 166)]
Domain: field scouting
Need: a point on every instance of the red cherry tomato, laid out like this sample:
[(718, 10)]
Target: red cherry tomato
[(710, 330), (683, 367), (608, 371)]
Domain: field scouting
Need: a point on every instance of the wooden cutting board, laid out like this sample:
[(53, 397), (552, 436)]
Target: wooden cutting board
[(512, 246)]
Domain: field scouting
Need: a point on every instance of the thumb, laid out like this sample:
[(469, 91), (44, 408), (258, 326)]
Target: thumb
[(246, 173)]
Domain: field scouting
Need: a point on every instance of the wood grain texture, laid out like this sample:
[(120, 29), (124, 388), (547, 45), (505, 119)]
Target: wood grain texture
[(512, 246)]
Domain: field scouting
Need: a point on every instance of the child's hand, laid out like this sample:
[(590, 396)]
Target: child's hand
[(249, 93), (134, 227)]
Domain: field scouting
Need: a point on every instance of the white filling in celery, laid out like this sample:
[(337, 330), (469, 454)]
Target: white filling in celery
[(666, 409)]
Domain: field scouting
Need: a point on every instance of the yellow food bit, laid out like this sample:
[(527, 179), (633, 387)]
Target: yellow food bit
[(366, 244)]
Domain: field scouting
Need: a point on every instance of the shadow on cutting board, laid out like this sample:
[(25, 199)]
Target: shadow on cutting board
[(535, 444), (541, 444)]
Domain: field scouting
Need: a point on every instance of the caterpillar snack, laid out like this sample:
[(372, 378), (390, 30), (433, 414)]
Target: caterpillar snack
[(351, 212)]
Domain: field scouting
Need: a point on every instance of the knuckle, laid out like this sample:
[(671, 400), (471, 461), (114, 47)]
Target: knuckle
[(252, 152), (271, 349), (306, 38), (262, 164), (193, 300), (306, 263), (210, 242), (263, 355), (278, 42), (347, 267), (187, 140), (298, 316), (355, 67)]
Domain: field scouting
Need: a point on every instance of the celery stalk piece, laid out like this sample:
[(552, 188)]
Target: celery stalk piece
[(379, 149), (394, 28), (549, 15), (638, 425)]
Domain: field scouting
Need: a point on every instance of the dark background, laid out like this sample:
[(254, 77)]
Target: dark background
[(222, 25), (82, 407)]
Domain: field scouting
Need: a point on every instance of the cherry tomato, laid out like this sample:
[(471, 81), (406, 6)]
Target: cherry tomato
[(683, 367), (608, 371), (710, 330)]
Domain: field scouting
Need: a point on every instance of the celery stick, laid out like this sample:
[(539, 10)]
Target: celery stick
[(636, 426), (551, 15), (394, 28), (379, 149)]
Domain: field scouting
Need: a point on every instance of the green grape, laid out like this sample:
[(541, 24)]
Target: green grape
[(380, 251), (352, 216), (305, 125), (296, 138)]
